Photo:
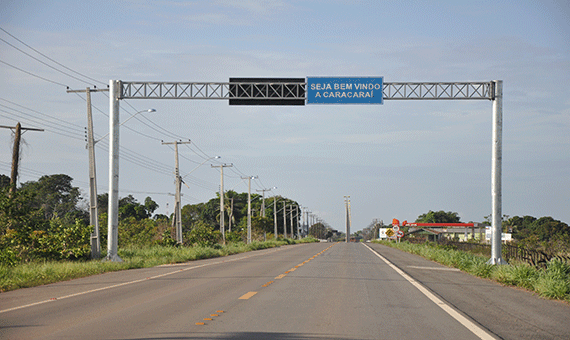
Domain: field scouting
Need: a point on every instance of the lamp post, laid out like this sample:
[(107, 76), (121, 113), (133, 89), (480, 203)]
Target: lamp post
[(113, 209), (222, 228)]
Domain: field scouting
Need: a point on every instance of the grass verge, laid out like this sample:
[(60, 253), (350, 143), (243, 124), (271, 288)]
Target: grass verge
[(552, 282), (40, 273)]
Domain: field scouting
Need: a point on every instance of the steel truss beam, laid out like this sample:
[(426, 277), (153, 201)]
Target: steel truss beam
[(226, 90)]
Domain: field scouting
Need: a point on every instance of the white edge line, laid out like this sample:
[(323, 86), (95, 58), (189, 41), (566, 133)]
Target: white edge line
[(132, 282), (436, 268), (470, 325)]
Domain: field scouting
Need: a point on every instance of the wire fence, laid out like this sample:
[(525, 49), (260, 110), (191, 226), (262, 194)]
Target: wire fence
[(533, 257)]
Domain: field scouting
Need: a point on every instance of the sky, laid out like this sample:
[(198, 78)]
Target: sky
[(399, 160)]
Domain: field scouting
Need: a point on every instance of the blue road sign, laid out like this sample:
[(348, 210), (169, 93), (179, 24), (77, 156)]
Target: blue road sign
[(344, 90)]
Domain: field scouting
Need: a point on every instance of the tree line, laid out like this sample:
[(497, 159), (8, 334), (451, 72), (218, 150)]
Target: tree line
[(49, 219)]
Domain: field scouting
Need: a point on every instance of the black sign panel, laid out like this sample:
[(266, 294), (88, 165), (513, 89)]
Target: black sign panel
[(259, 91)]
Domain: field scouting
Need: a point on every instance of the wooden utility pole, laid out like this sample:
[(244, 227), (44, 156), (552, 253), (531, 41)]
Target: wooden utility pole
[(16, 153)]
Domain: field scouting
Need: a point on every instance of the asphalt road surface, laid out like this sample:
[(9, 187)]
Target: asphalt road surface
[(306, 291)]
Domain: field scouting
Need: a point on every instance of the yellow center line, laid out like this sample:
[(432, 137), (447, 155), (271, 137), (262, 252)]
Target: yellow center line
[(247, 296)]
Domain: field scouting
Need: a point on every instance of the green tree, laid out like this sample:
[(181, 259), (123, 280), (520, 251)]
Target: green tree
[(439, 217), (55, 195), (261, 225), (4, 181), (130, 207)]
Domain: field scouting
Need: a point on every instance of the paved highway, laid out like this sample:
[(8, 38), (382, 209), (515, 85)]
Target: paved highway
[(308, 291)]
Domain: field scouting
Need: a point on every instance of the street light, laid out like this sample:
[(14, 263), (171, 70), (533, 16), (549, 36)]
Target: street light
[(249, 207), (199, 165), (222, 227)]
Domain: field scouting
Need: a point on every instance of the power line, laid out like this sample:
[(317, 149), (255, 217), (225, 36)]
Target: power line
[(46, 64), (29, 117), (50, 59), (31, 74), (43, 114)]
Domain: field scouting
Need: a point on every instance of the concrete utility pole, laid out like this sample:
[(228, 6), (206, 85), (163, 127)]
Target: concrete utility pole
[(177, 221), (16, 152), (263, 199), (263, 207), (93, 208), (275, 217), (222, 227), (249, 207), (347, 207), (284, 219), (298, 221), (307, 213), (291, 217)]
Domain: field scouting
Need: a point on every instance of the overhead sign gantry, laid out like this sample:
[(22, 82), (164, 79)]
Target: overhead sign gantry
[(301, 91)]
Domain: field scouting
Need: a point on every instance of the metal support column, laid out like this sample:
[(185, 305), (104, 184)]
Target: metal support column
[(496, 171), (113, 222)]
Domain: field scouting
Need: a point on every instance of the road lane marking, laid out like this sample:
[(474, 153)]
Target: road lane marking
[(470, 325), (247, 296), (436, 268)]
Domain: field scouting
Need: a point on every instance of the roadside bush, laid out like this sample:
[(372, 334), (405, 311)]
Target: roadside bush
[(555, 281), (202, 235)]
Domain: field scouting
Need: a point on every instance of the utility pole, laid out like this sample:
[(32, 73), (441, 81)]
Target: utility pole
[(93, 208), (16, 152), (263, 207), (275, 217), (347, 207), (222, 228), (249, 207), (284, 219), (231, 215), (307, 212), (177, 221), (291, 217), (263, 199), (298, 221)]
